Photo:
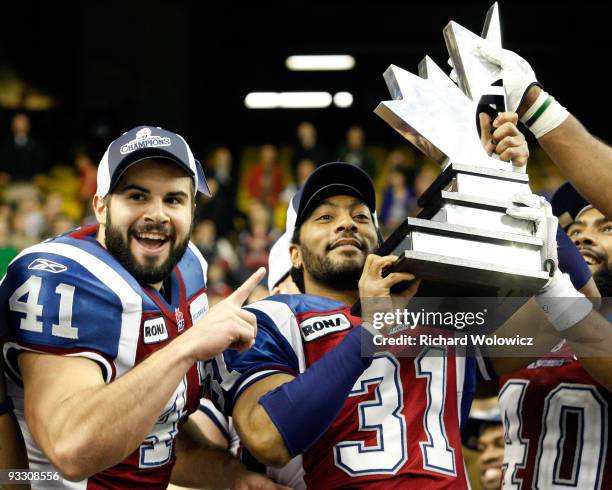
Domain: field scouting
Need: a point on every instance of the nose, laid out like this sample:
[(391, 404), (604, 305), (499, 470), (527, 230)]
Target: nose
[(346, 223), (156, 211), (584, 237)]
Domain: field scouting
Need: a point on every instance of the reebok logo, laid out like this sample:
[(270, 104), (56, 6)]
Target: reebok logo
[(319, 326), (46, 265), (154, 330)]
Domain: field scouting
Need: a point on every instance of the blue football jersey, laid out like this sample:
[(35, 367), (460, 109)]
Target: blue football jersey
[(69, 296)]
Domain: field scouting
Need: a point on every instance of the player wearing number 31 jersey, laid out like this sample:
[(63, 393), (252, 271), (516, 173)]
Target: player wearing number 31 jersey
[(305, 393)]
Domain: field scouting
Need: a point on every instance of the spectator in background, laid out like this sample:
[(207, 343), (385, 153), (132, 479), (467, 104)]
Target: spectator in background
[(88, 172), (265, 178), (354, 151), (33, 216), (254, 243), (397, 200), (221, 208), (404, 161), (307, 148), (424, 177), (21, 156), (7, 250), (304, 168), (61, 224), (214, 249)]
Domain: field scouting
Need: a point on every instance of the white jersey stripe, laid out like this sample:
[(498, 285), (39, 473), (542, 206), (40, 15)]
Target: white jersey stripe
[(285, 321), (130, 299), (203, 263), (460, 368)]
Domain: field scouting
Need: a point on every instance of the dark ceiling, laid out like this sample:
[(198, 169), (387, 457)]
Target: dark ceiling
[(187, 66)]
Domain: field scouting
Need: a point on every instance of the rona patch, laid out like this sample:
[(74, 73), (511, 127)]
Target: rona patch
[(319, 326), (154, 330)]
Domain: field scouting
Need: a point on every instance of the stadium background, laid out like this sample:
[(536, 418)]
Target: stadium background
[(83, 73)]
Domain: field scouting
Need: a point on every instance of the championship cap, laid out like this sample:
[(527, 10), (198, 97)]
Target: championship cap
[(567, 204), (147, 142), (332, 179)]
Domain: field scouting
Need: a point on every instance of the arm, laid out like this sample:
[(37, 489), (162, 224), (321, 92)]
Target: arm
[(255, 427), (71, 418), (274, 415), (12, 449), (584, 160), (202, 464)]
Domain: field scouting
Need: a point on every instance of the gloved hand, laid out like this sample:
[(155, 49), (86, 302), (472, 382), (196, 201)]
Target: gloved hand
[(516, 72), (559, 300), (539, 211)]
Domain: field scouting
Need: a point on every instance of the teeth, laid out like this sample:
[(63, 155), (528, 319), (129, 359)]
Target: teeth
[(151, 236)]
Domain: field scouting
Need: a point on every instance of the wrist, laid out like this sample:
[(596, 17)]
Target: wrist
[(184, 352), (233, 470), (531, 95)]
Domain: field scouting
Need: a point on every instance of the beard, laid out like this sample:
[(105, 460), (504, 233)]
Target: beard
[(149, 272), (603, 279), (342, 276)]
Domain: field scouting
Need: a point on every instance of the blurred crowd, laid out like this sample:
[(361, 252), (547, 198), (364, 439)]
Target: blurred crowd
[(237, 227)]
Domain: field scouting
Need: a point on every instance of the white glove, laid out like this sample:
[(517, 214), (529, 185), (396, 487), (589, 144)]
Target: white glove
[(516, 72), (538, 210), (559, 300)]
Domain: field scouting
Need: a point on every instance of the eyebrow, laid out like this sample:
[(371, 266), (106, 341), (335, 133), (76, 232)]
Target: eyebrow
[(597, 222), (144, 190), (356, 202)]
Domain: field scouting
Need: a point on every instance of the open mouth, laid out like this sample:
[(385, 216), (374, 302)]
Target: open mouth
[(590, 257), (151, 242)]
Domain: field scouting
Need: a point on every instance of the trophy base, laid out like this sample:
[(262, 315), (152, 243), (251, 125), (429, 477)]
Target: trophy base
[(476, 181), (467, 257), (467, 210)]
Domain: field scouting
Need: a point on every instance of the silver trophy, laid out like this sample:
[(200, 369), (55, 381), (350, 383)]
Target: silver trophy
[(463, 235)]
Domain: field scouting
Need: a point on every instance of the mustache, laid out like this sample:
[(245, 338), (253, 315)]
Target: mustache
[(347, 236), (601, 256), (161, 229)]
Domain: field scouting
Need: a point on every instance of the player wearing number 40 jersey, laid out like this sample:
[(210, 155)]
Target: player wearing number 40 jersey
[(305, 393), (107, 326), (557, 417)]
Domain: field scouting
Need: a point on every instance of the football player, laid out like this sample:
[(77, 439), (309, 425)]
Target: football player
[(107, 325), (392, 419), (556, 414)]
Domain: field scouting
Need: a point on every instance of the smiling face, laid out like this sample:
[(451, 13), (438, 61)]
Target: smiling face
[(145, 223), (491, 459), (334, 241), (592, 234)]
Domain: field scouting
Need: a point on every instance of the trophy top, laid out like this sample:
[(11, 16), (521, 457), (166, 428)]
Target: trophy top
[(438, 116)]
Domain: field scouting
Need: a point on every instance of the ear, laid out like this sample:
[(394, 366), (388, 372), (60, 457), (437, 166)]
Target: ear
[(296, 255), (100, 209)]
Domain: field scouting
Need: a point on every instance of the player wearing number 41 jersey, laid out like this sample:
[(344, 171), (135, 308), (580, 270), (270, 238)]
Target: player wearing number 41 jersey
[(55, 294), (107, 326), (305, 393)]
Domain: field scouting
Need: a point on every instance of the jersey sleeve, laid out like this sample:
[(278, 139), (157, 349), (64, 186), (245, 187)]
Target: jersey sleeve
[(59, 299), (277, 349)]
